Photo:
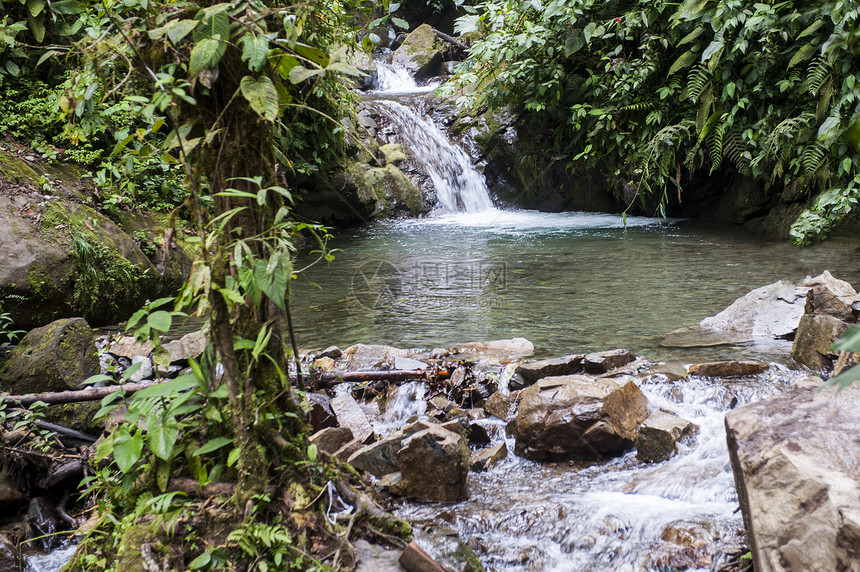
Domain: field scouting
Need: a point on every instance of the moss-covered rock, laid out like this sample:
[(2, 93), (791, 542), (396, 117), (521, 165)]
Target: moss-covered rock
[(55, 357), (420, 52)]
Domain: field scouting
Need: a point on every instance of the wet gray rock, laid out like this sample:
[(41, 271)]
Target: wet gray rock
[(55, 357), (434, 465), (420, 52), (576, 416), (350, 414), (821, 300), (602, 362), (364, 356), (348, 450), (321, 415), (535, 370), (815, 334), (485, 459), (145, 371), (374, 558), (660, 434), (795, 462), (331, 439), (727, 368)]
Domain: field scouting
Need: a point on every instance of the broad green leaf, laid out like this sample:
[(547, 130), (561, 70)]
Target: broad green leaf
[(213, 445), (467, 24), (96, 378), (803, 54), (274, 283), (160, 320), (300, 73), (35, 7), (67, 7), (588, 32), (400, 23), (127, 448), (37, 26), (12, 68), (200, 562), (574, 42), (312, 453), (393, 7), (313, 54), (712, 49), (130, 371), (261, 95), (344, 68), (175, 30), (181, 383), (233, 456), (692, 36), (162, 474), (162, 438), (811, 29), (689, 10), (255, 51), (206, 54), (685, 60)]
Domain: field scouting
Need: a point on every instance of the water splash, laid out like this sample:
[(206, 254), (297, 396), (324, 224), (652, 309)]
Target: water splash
[(407, 402)]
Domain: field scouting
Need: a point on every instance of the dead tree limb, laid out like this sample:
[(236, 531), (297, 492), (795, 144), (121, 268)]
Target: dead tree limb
[(74, 396), (451, 40)]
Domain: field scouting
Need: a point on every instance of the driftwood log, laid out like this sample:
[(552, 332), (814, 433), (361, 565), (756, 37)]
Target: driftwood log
[(451, 40)]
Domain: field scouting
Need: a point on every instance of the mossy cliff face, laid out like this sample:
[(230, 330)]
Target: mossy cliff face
[(55, 357)]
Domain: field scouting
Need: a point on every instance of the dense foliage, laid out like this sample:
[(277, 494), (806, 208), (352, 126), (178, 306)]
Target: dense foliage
[(649, 90), (244, 99)]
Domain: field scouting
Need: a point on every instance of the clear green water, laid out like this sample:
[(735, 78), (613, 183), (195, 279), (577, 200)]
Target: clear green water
[(568, 282)]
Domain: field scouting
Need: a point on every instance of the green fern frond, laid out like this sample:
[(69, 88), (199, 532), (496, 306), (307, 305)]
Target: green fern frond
[(816, 74), (813, 157), (697, 82), (639, 106), (734, 149), (715, 146)]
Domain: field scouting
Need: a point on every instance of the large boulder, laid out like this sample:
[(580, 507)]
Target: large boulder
[(815, 334), (578, 417), (797, 472), (771, 311), (434, 464), (602, 362), (420, 52), (55, 357)]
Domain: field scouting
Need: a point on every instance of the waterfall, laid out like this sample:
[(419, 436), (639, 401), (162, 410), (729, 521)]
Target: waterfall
[(459, 186)]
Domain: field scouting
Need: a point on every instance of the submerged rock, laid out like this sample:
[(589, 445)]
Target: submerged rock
[(55, 357), (660, 434), (727, 368), (578, 417), (795, 462)]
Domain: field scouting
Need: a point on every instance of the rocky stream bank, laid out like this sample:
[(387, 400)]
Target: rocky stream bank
[(428, 425)]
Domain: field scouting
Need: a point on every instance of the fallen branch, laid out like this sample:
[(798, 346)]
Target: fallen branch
[(326, 379), (450, 40), (77, 395)]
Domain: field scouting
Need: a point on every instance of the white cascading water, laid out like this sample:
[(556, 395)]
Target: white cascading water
[(459, 186)]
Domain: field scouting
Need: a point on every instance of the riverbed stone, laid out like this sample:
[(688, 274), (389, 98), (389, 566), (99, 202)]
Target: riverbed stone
[(499, 404), (434, 465), (368, 356), (485, 459), (660, 434), (576, 416), (350, 414), (393, 154), (55, 357), (602, 362), (815, 334), (840, 288), (535, 370), (797, 472), (331, 439), (727, 368), (332, 352), (821, 300), (145, 370)]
